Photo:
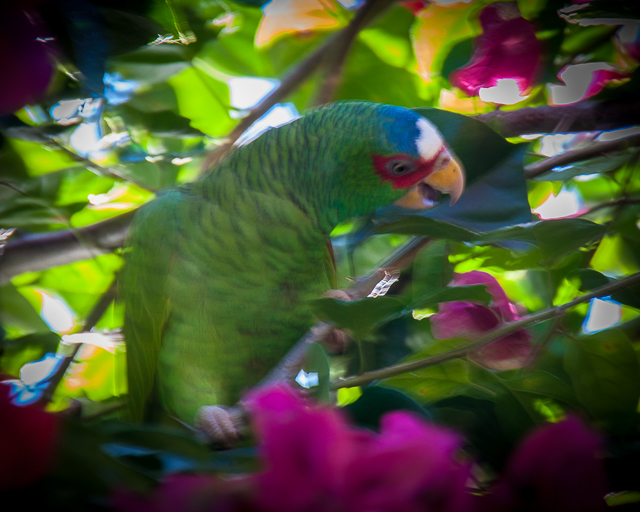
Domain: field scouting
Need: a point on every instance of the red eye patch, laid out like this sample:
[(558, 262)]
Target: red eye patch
[(421, 169)]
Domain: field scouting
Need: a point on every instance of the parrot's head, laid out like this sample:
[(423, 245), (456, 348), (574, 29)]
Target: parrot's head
[(398, 157)]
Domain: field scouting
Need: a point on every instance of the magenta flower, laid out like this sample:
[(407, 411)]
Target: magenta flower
[(27, 442), (581, 81), (24, 57), (314, 461), (469, 320), (556, 469), (505, 57)]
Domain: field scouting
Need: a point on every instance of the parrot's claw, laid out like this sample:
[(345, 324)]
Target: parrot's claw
[(221, 425)]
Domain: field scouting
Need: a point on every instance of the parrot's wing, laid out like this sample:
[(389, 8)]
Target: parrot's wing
[(143, 288)]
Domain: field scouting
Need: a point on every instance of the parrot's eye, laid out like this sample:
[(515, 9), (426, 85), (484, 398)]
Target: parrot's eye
[(399, 167)]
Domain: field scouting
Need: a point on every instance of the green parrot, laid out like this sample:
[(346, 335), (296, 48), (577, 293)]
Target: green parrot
[(219, 273)]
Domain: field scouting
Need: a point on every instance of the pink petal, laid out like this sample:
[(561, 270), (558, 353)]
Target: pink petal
[(462, 320), (557, 468), (27, 442), (507, 49), (304, 448), (26, 58), (409, 459), (583, 81), (507, 353), (500, 302)]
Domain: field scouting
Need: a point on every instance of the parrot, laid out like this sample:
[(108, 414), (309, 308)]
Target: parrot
[(220, 273)]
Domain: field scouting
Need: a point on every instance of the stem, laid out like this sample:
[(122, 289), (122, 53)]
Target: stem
[(335, 59), (597, 149), (92, 319), (489, 337)]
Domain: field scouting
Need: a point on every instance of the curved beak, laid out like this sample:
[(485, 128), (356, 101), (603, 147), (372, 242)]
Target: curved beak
[(448, 180)]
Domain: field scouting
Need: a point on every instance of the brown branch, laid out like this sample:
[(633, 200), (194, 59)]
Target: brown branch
[(596, 149), (335, 59), (582, 117), (41, 251), (489, 337)]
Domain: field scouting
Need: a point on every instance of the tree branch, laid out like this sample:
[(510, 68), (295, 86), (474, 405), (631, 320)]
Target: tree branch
[(489, 337), (596, 149), (41, 251), (581, 117)]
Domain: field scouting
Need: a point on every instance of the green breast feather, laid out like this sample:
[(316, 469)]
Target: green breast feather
[(219, 273)]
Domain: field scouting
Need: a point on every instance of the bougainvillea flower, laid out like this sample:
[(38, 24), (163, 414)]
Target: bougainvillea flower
[(27, 442), (583, 81), (506, 55), (24, 59), (188, 493), (315, 461), (557, 468), (469, 320)]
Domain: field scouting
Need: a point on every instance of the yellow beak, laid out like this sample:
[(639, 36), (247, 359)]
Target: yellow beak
[(448, 180)]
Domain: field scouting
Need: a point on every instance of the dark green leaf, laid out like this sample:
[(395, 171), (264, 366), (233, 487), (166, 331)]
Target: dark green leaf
[(431, 269), (360, 316), (605, 374), (473, 293), (316, 362), (376, 401), (16, 352)]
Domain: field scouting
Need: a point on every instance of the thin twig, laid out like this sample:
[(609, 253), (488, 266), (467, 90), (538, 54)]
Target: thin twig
[(596, 149), (609, 204), (335, 59), (585, 116), (489, 337), (92, 319)]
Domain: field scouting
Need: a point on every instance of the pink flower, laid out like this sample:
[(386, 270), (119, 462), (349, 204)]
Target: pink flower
[(185, 492), (314, 461), (24, 57), (557, 468), (27, 442), (470, 320), (583, 81), (506, 54)]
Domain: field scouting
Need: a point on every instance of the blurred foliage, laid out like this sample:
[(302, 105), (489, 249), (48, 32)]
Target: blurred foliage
[(144, 92)]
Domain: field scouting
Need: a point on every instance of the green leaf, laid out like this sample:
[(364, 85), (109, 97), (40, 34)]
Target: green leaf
[(15, 353), (472, 293), (540, 383), (360, 316), (605, 374), (316, 362), (204, 100), (16, 311), (431, 269), (376, 401), (427, 227)]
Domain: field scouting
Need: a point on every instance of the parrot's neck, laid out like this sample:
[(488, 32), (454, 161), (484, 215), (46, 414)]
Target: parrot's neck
[(302, 163)]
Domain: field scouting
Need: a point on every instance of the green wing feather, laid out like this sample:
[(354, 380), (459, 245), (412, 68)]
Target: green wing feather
[(143, 288)]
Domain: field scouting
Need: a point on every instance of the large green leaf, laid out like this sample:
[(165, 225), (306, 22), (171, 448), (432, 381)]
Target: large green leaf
[(605, 374), (431, 269)]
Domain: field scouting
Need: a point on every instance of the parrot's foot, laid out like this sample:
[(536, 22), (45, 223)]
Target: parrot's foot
[(222, 425)]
